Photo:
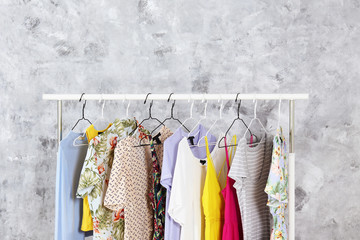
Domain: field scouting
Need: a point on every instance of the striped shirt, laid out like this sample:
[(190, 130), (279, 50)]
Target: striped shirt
[(250, 170)]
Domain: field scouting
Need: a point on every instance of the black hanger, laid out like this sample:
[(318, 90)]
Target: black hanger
[(236, 119), (146, 119), (171, 117), (156, 138), (83, 115)]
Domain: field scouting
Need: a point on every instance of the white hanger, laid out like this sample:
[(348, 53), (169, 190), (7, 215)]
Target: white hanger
[(202, 118), (127, 108), (101, 119), (255, 118), (191, 112), (214, 124), (78, 138)]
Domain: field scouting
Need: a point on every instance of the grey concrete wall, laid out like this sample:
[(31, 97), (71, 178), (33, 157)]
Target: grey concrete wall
[(114, 46)]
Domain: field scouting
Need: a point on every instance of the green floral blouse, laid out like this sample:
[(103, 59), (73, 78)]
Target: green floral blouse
[(276, 187), (94, 178)]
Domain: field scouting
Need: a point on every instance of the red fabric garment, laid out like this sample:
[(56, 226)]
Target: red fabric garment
[(232, 219)]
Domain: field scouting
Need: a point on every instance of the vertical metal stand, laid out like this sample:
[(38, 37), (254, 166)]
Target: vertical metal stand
[(291, 124), (291, 170), (59, 120)]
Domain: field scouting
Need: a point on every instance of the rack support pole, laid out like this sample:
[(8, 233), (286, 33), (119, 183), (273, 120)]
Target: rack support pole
[(291, 170), (59, 120)]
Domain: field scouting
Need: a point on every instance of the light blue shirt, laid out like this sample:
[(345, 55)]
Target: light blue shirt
[(68, 208)]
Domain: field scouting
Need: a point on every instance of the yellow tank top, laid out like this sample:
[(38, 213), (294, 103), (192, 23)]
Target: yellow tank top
[(212, 201), (87, 222)]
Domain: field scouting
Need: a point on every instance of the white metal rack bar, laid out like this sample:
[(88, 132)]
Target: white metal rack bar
[(291, 97), (175, 96)]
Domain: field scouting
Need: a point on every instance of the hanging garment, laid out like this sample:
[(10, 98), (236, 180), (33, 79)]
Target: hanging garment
[(95, 176), (187, 189), (232, 221), (212, 200), (87, 223), (172, 228), (218, 157), (276, 187), (67, 206), (157, 195), (92, 132), (130, 183), (250, 169)]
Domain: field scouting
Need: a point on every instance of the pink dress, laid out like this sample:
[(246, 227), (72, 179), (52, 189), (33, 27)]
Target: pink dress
[(232, 220)]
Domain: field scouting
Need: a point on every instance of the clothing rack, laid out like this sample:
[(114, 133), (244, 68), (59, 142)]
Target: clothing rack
[(291, 97)]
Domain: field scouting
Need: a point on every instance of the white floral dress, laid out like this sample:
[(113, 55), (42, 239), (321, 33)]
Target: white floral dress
[(94, 178), (276, 187)]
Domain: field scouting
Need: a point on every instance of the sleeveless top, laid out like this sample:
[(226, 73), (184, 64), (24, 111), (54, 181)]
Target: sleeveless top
[(212, 201), (232, 219)]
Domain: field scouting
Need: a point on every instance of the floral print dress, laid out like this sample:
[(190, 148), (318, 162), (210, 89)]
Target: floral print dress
[(157, 196), (94, 179), (276, 187)]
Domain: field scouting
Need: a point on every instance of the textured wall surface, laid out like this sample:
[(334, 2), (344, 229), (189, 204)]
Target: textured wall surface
[(117, 46)]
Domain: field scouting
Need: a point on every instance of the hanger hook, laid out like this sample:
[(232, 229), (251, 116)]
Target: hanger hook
[(255, 100), (102, 109), (170, 97), (103, 104), (237, 95), (127, 109), (203, 100), (205, 109), (192, 104), (172, 108), (81, 97), (239, 104), (221, 108), (191, 108), (147, 95), (83, 109), (151, 104)]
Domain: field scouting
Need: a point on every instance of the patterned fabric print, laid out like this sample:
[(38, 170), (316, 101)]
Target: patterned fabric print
[(128, 187), (157, 196), (276, 187), (94, 180), (130, 183), (164, 134)]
